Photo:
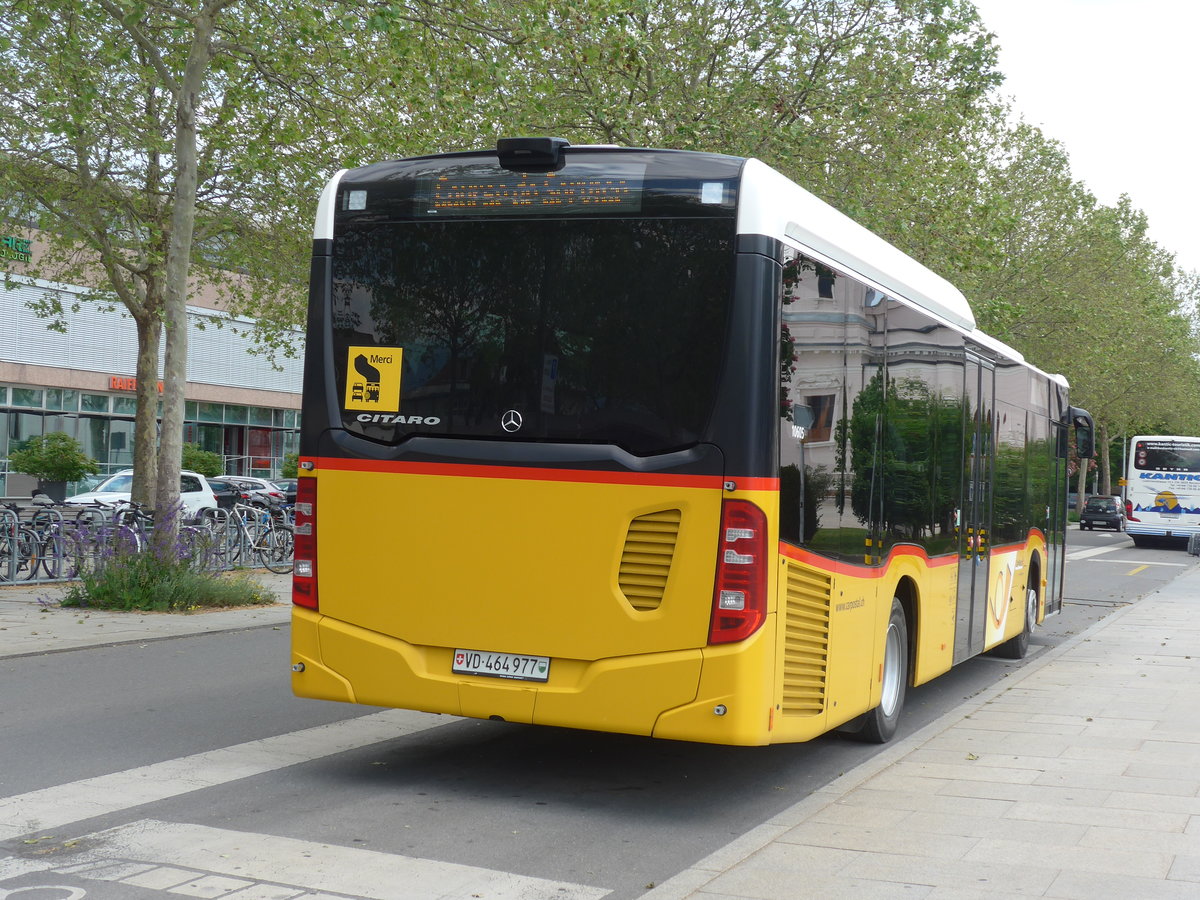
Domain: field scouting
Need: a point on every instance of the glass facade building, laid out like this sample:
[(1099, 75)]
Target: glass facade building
[(80, 381)]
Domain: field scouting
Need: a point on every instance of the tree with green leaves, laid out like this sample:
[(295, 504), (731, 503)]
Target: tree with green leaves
[(810, 85), (1080, 289), (140, 139)]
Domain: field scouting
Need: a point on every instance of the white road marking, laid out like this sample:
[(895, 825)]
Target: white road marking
[(1093, 551), (54, 807), (15, 866), (61, 892), (200, 861)]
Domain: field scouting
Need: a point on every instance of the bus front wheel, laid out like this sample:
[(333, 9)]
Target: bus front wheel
[(879, 725)]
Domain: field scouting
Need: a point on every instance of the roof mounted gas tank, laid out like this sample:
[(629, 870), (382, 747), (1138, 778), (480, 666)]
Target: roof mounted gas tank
[(531, 153)]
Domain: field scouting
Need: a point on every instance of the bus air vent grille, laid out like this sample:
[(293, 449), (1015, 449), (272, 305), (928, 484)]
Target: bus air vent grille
[(806, 646), (646, 559)]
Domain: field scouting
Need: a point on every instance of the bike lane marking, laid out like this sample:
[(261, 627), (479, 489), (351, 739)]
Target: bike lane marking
[(62, 804)]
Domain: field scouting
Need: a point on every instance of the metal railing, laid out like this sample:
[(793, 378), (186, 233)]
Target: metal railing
[(52, 543)]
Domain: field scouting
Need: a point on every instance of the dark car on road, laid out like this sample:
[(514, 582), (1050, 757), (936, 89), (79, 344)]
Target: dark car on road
[(1107, 512)]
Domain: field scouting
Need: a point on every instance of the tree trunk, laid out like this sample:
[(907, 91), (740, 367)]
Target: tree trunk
[(1105, 462), (179, 254), (145, 427)]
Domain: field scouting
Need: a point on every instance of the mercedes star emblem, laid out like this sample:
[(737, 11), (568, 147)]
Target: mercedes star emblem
[(511, 421)]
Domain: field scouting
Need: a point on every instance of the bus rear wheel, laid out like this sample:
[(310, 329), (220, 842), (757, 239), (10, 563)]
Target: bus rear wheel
[(879, 725), (1017, 646)]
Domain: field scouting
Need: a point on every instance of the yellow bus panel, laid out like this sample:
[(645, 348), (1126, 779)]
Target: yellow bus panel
[(553, 568)]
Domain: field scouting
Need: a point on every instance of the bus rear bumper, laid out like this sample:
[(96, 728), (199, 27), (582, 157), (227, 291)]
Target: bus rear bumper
[(1164, 531), (310, 677), (343, 662)]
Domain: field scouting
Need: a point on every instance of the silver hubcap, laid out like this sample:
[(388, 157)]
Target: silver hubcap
[(893, 653)]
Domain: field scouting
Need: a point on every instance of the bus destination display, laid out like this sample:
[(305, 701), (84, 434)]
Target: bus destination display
[(493, 193)]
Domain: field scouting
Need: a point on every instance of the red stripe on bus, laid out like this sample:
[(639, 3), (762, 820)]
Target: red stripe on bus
[(861, 570), (468, 470), (756, 484), (1035, 534)]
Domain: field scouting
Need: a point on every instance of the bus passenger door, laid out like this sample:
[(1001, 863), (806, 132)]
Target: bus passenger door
[(975, 513), (1056, 516)]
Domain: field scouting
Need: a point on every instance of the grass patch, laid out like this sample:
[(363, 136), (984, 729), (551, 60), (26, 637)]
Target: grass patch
[(145, 581)]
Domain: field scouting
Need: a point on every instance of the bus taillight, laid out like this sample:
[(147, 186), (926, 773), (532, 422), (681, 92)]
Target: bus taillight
[(740, 594), (304, 570), (1129, 512)]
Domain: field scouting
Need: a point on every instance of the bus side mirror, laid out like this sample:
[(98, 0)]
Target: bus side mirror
[(1085, 432)]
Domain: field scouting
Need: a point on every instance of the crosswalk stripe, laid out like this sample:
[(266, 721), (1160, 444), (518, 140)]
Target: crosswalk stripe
[(199, 860), (1089, 552)]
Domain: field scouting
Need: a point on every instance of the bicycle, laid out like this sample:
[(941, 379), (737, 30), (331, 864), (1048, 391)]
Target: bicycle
[(49, 528), (101, 532), (267, 542), (30, 546), (10, 551)]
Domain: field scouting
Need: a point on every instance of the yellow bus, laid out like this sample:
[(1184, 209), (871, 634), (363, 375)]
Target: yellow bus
[(654, 442)]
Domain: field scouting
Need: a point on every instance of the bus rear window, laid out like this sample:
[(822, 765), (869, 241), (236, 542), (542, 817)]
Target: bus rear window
[(1167, 456), (602, 330)]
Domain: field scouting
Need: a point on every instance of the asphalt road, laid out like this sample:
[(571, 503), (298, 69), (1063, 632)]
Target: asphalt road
[(203, 730)]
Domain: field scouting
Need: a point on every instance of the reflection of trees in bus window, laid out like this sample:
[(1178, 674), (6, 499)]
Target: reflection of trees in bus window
[(1010, 511), (1040, 470), (883, 384), (905, 444), (595, 330), (1010, 520)]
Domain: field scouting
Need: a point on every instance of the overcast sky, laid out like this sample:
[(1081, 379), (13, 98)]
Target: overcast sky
[(1116, 82)]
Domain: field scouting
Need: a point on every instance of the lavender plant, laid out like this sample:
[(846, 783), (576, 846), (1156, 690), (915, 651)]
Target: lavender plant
[(156, 573)]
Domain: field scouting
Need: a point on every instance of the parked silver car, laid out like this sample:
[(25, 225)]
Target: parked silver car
[(257, 491)]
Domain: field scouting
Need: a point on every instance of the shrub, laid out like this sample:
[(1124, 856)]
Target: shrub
[(207, 463), (52, 457), (291, 465)]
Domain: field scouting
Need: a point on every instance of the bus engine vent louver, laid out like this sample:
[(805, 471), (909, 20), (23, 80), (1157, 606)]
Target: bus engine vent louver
[(646, 559), (806, 645)]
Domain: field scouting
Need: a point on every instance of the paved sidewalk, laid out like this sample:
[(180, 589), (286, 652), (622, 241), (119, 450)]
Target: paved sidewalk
[(31, 621), (1076, 777)]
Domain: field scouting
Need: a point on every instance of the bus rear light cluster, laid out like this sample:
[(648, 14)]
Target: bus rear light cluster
[(1129, 512), (304, 570), (740, 594)]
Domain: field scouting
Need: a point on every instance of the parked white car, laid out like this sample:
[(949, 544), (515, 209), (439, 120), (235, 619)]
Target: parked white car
[(194, 491)]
